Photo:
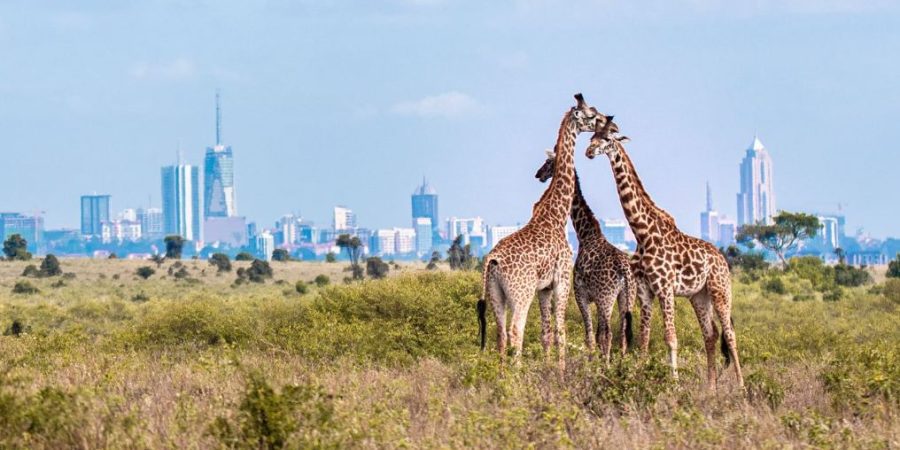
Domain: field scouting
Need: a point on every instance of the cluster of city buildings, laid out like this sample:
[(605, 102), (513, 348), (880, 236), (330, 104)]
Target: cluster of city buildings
[(203, 211)]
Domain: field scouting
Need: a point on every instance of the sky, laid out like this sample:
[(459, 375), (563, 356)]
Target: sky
[(332, 102)]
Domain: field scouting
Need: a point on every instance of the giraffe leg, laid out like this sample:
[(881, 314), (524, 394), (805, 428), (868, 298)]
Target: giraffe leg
[(604, 331), (667, 301), (720, 293), (521, 302), (544, 299), (646, 298), (498, 303), (703, 308), (582, 297), (562, 299)]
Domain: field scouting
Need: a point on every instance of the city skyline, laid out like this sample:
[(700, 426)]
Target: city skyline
[(487, 99)]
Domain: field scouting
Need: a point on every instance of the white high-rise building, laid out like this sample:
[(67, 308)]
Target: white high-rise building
[(829, 231), (344, 220), (404, 240), (497, 233), (152, 224), (756, 199), (383, 242), (727, 231), (181, 201), (466, 227), (423, 235), (264, 244)]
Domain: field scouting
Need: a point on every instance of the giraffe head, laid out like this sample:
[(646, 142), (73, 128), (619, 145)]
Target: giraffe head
[(546, 171), (606, 139), (586, 117)]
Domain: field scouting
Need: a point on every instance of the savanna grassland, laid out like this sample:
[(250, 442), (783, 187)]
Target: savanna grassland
[(104, 359)]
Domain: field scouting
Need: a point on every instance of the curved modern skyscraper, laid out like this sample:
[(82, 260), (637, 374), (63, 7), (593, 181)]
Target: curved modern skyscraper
[(756, 200), (218, 176)]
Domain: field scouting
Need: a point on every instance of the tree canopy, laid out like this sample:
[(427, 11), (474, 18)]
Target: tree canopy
[(15, 247), (783, 235)]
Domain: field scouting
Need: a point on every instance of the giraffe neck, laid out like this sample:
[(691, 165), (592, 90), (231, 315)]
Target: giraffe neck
[(640, 210), (586, 225), (553, 207)]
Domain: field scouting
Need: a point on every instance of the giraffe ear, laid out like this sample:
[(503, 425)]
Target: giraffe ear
[(623, 139), (550, 153)]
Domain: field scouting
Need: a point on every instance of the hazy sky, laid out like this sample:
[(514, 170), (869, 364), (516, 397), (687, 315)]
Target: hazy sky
[(343, 102)]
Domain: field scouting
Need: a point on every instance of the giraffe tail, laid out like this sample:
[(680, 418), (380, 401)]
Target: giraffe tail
[(629, 332), (482, 321), (726, 350)]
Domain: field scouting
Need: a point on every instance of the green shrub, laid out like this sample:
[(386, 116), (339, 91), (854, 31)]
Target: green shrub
[(627, 383), (258, 272), (761, 387), (301, 415), (322, 280), (50, 266), (31, 271), (775, 285), (301, 287), (145, 272), (894, 267), (330, 257), (243, 256), (221, 262), (891, 290), (280, 254), (850, 276), (24, 287), (376, 268), (16, 328), (861, 375)]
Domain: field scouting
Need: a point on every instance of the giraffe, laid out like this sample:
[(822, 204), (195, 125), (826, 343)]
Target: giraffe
[(602, 272), (538, 257), (669, 262)]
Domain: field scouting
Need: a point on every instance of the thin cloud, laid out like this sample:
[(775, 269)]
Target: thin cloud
[(175, 70), (449, 104)]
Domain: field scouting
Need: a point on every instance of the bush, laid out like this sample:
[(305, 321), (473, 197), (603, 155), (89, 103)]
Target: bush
[(144, 272), (894, 267), (16, 248), (31, 271), (891, 290), (281, 255), (301, 287), (24, 287), (376, 268), (775, 285), (269, 419), (626, 383), (258, 272), (243, 256), (850, 276), (761, 387), (330, 257), (322, 280), (860, 375), (16, 328), (221, 262), (50, 266)]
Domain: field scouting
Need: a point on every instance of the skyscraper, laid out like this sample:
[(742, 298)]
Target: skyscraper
[(218, 176), (344, 220), (709, 220), (425, 204), (152, 222), (424, 241), (94, 211), (31, 228), (181, 201), (756, 199)]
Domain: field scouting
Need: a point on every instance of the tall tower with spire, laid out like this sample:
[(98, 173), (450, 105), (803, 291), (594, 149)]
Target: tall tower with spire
[(218, 171), (709, 220), (756, 199), (425, 205)]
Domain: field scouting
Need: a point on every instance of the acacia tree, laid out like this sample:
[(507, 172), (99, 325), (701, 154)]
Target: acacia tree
[(455, 253), (158, 259), (353, 246), (783, 235), (894, 267), (174, 246), (16, 248)]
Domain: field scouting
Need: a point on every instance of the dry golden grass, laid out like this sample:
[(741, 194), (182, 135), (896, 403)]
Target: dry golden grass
[(394, 363)]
